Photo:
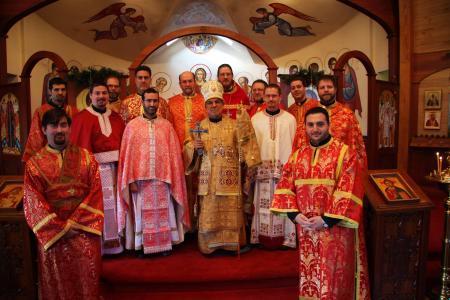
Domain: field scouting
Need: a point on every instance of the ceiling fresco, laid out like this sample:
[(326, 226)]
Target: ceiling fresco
[(123, 29)]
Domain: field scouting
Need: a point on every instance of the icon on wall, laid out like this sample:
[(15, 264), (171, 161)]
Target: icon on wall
[(432, 119), (10, 124), (161, 82), (432, 99), (199, 43), (386, 119)]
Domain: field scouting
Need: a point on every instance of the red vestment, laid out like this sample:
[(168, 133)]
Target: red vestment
[(150, 156), (256, 108), (234, 99), (186, 112), (101, 134), (131, 107), (299, 111), (343, 126), (325, 181), (87, 131), (62, 192), (36, 138)]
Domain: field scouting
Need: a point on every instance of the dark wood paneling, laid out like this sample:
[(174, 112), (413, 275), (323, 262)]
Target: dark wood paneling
[(397, 242)]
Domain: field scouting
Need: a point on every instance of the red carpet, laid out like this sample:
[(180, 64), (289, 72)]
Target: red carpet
[(188, 274)]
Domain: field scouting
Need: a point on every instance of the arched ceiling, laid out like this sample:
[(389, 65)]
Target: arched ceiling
[(160, 17)]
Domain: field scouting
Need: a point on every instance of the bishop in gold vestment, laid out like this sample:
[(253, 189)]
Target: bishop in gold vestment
[(224, 143)]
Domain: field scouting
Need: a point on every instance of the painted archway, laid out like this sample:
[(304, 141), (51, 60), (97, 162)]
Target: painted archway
[(250, 44)]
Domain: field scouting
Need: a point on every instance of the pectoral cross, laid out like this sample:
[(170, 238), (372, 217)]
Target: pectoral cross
[(197, 131)]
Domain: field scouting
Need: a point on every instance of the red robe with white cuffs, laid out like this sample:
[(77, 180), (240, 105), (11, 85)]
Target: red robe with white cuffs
[(102, 134)]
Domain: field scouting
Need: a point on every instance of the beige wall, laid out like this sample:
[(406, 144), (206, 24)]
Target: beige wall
[(32, 34)]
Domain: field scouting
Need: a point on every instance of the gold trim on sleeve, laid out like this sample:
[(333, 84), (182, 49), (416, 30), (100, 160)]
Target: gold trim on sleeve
[(91, 209), (57, 237), (43, 222), (324, 181), (85, 228), (345, 222), (342, 194), (284, 192), (281, 210), (341, 160)]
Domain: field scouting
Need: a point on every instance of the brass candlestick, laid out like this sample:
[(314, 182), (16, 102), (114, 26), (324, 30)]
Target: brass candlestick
[(443, 177)]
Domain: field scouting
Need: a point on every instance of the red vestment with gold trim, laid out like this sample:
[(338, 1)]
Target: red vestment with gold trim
[(299, 111), (131, 107), (62, 196), (325, 181), (36, 138), (186, 111), (233, 100), (343, 126)]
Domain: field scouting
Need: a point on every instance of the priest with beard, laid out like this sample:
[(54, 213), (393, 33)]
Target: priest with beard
[(113, 84), (36, 139), (63, 206), (300, 107), (343, 124), (131, 106), (234, 96), (99, 130), (187, 109), (152, 208), (258, 87)]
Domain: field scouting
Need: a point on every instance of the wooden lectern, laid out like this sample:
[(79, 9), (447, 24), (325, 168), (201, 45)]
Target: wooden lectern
[(396, 235)]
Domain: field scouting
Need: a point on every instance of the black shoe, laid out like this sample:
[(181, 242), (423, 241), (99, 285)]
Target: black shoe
[(245, 249)]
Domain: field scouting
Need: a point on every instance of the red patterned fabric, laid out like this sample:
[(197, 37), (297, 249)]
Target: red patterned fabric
[(87, 132), (63, 206), (299, 111), (131, 107), (36, 138), (325, 181), (343, 126), (196, 113), (150, 150), (234, 99)]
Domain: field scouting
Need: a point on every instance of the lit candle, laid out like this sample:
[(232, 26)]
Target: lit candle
[(437, 162), (440, 165)]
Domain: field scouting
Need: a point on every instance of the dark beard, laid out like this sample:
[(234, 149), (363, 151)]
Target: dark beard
[(229, 88)]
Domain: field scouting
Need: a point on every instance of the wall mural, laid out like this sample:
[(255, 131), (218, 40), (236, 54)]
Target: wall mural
[(351, 90), (117, 27), (199, 12), (269, 19), (386, 119), (199, 43), (162, 82), (245, 80), (10, 124)]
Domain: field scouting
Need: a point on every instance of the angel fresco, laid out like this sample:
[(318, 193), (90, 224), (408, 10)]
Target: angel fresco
[(117, 27), (269, 19)]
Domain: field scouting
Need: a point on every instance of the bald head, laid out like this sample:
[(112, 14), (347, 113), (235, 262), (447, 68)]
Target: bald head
[(187, 83)]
